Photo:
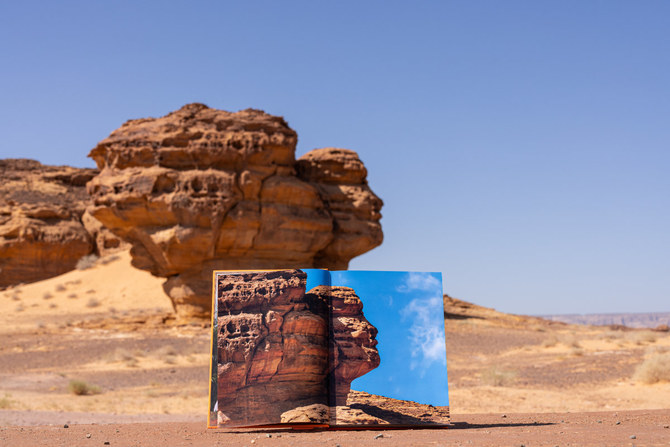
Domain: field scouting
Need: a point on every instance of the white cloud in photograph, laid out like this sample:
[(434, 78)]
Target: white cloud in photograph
[(426, 333), (419, 281)]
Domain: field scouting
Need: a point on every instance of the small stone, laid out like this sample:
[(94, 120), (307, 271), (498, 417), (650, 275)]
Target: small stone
[(666, 426), (618, 422), (633, 437), (600, 422), (253, 441), (504, 416), (88, 435), (66, 426), (106, 443), (269, 435), (380, 435)]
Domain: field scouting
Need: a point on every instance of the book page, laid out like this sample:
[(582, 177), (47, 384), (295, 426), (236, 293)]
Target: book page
[(388, 357), (270, 356)]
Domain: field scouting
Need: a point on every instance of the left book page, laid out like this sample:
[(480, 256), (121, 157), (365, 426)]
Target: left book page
[(270, 349)]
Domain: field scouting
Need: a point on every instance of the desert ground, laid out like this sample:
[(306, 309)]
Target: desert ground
[(99, 350)]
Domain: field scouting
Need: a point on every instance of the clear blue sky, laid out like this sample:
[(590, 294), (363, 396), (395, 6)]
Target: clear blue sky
[(521, 148)]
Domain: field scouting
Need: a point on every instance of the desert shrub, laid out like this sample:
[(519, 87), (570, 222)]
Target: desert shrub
[(92, 303), (577, 352), (6, 402), (550, 342), (60, 288), (654, 369), (641, 337), (47, 296), (164, 351), (81, 388), (86, 262), (497, 377)]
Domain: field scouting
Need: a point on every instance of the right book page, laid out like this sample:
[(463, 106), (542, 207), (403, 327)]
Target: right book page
[(387, 362)]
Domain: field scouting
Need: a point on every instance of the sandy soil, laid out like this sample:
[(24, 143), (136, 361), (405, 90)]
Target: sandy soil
[(640, 428), (111, 327)]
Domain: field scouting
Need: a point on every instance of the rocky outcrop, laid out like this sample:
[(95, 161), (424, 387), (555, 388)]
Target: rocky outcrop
[(353, 350), (41, 234), (202, 189), (44, 229), (273, 344)]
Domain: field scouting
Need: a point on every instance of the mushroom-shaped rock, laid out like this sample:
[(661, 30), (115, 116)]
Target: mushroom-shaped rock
[(203, 189)]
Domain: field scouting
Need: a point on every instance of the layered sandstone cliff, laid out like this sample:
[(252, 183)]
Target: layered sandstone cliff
[(353, 350), (41, 233), (273, 344), (202, 189)]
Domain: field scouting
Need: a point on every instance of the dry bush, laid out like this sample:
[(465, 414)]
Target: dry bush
[(654, 369), (550, 342), (166, 350), (121, 355), (86, 262), (81, 388), (641, 337), (497, 377), (92, 303), (72, 296), (47, 296), (60, 288), (6, 402)]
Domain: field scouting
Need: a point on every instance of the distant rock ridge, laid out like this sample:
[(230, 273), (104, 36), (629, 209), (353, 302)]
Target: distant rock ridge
[(649, 320), (203, 189), (44, 229)]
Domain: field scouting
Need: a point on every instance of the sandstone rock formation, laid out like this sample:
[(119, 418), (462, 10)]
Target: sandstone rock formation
[(44, 229), (353, 349), (41, 234), (273, 346), (203, 189)]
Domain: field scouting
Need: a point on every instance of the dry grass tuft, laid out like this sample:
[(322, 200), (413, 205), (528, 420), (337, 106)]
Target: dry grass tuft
[(92, 303), (5, 402), (550, 342), (654, 369), (497, 377), (81, 388)]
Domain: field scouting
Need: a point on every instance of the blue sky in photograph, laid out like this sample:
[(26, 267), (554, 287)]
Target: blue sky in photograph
[(521, 148), (407, 310)]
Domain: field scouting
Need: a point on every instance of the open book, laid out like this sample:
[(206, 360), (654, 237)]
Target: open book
[(327, 348)]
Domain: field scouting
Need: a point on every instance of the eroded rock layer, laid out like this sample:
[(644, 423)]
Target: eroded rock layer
[(353, 351), (41, 233), (202, 189), (273, 344)]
